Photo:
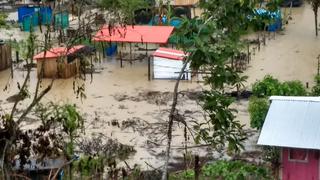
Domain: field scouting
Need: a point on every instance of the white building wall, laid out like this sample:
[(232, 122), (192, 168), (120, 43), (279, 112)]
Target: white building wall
[(168, 69)]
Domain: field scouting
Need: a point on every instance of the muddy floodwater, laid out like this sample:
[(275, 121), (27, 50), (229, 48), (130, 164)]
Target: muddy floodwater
[(122, 104)]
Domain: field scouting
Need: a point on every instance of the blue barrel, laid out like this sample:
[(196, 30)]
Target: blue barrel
[(111, 50), (46, 15), (62, 20), (27, 23)]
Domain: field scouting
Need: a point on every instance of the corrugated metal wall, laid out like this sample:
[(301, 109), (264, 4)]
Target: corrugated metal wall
[(168, 69)]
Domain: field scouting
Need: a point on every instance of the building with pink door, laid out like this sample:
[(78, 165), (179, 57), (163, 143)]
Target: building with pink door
[(293, 123)]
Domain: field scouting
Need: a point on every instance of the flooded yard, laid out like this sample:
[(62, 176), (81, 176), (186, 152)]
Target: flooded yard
[(122, 104)]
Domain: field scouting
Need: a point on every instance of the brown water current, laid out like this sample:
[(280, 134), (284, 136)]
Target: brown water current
[(121, 94)]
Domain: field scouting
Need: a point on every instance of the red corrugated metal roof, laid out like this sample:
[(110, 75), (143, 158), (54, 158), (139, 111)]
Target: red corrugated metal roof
[(170, 54), (57, 52), (135, 34)]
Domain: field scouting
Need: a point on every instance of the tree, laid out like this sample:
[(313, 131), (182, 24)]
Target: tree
[(122, 11), (212, 41), (17, 143), (315, 4)]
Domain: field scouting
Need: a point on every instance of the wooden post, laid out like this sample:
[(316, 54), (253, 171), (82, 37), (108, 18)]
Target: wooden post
[(149, 69), (232, 61), (121, 55), (248, 53), (318, 73), (196, 167), (17, 56), (103, 50), (130, 53), (258, 41)]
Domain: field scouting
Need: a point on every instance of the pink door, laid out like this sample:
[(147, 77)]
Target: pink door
[(300, 164)]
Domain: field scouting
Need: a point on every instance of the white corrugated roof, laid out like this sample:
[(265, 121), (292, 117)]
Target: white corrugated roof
[(292, 122)]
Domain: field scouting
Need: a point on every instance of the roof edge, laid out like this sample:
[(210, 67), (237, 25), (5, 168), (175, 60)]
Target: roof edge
[(286, 146), (295, 98)]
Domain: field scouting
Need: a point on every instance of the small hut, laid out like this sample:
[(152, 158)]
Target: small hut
[(167, 64), (5, 56), (292, 124), (59, 62)]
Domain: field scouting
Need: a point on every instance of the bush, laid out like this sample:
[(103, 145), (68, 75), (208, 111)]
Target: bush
[(3, 18), (230, 170), (292, 88), (267, 87), (227, 170), (270, 86), (316, 89), (258, 109)]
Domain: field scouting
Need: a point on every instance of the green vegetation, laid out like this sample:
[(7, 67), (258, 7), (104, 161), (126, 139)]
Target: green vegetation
[(316, 89), (213, 39), (269, 86), (258, 109), (3, 18), (123, 10), (227, 170)]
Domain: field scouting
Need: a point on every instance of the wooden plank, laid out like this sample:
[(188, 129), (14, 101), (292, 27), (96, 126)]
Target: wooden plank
[(5, 57)]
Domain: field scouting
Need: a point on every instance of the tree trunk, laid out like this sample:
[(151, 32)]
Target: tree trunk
[(171, 118)]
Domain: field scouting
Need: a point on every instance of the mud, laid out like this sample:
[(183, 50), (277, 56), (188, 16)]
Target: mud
[(122, 104)]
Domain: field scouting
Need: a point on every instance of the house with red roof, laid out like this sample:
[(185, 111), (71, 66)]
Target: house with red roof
[(59, 62)]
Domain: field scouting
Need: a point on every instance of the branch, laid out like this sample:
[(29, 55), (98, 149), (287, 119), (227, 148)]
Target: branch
[(34, 102), (171, 119)]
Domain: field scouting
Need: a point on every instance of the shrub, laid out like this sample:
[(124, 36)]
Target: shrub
[(292, 88), (3, 18), (270, 86), (267, 87), (258, 109), (230, 170), (227, 170), (316, 89)]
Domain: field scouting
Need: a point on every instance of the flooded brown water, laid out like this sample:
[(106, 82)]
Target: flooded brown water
[(122, 94), (292, 55)]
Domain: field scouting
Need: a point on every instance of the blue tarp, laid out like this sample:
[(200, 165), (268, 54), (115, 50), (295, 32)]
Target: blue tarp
[(275, 16), (29, 16)]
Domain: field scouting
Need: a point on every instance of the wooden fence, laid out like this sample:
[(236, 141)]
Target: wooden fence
[(5, 57)]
